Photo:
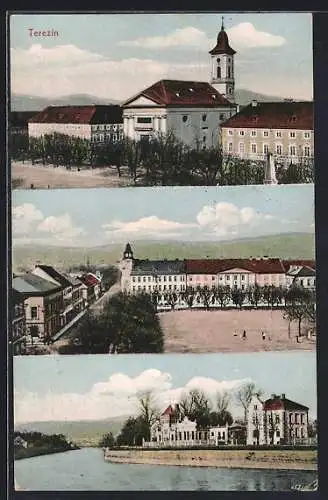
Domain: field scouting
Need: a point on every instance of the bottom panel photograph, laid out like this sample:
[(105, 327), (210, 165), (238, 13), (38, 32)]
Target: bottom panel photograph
[(222, 422)]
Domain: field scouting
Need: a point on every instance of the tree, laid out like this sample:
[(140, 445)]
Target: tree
[(171, 298), (222, 403), (133, 432), (300, 306), (148, 412), (223, 295), (196, 406), (254, 294), (238, 296), (205, 296), (189, 296), (107, 441), (245, 394)]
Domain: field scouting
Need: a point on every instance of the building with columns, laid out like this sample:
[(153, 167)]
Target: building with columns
[(276, 421)]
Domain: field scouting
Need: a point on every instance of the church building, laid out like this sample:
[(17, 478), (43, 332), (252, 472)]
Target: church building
[(192, 111)]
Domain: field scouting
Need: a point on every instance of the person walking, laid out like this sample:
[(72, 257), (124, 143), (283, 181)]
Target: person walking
[(244, 336), (263, 335)]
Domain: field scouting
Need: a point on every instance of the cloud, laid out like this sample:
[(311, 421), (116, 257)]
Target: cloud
[(61, 228), (242, 36), (245, 35), (224, 219), (112, 398), (67, 69), (146, 227), (24, 216), (188, 36), (29, 225)]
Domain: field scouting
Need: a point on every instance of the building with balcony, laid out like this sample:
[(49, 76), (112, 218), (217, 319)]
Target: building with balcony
[(18, 324), (276, 421), (96, 123), (284, 129), (43, 303)]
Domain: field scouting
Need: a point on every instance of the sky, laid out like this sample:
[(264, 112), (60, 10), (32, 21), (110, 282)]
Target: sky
[(114, 56), (80, 217), (96, 387)]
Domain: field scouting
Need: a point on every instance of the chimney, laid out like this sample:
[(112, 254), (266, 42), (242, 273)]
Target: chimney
[(283, 396), (254, 103)]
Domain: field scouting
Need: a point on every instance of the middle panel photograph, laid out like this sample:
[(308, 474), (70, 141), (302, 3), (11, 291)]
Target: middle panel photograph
[(164, 270)]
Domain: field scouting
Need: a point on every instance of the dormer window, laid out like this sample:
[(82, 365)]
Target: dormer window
[(191, 90), (185, 118)]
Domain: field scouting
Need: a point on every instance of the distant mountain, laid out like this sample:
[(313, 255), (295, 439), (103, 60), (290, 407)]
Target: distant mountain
[(286, 246), (81, 432), (20, 102)]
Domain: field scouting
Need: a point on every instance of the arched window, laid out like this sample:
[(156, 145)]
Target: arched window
[(218, 72), (218, 60)]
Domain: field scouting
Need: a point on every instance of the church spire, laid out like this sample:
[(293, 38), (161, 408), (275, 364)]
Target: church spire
[(222, 25)]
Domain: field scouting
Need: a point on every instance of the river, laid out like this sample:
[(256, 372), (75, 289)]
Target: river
[(85, 470)]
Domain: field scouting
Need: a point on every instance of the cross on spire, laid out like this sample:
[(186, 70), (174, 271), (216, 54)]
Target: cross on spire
[(222, 26)]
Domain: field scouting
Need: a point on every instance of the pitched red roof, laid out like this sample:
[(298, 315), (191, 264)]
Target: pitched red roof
[(214, 266), (90, 279), (79, 114), (222, 45), (276, 115), (282, 403), (168, 411), (182, 93)]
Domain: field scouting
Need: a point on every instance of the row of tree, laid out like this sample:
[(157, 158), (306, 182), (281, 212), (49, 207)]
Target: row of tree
[(196, 405), (299, 303), (126, 324), (163, 160)]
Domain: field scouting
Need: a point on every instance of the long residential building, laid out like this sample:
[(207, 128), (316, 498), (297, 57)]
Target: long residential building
[(277, 421), (284, 129), (165, 276), (18, 322), (97, 123)]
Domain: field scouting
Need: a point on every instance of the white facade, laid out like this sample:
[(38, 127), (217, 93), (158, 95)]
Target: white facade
[(192, 125), (222, 75), (276, 424), (95, 132)]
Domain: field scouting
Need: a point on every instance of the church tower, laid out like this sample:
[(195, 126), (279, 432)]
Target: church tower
[(222, 66), (125, 266)]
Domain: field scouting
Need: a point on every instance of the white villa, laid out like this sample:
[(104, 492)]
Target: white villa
[(277, 420)]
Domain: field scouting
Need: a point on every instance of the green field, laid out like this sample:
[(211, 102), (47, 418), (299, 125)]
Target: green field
[(291, 245)]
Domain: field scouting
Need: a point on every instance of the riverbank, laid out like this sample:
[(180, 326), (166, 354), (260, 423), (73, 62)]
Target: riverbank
[(36, 451), (305, 460)]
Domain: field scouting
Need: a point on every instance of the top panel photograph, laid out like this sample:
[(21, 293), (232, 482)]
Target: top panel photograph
[(123, 100)]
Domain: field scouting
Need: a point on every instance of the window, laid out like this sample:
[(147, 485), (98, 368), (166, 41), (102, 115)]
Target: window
[(253, 133), (242, 277), (278, 433), (235, 277), (278, 133), (230, 132), (243, 287), (307, 135), (292, 150), (134, 279), (185, 118), (296, 418), (265, 148), (34, 312), (307, 151), (229, 73), (241, 147), (241, 132), (253, 148), (170, 278), (164, 278), (277, 419), (292, 135), (255, 407), (265, 133), (204, 118), (279, 149), (228, 277), (144, 119), (222, 116), (174, 278), (230, 147), (144, 278), (204, 138), (149, 278)]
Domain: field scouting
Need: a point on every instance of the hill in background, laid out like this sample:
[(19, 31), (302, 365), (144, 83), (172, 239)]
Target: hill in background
[(20, 102), (290, 245), (81, 432)]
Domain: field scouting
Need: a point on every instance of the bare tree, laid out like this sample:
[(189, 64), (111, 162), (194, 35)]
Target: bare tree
[(148, 412), (245, 394)]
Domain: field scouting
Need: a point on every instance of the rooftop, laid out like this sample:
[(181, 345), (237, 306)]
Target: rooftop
[(150, 267), (60, 278), (277, 115), (29, 284), (215, 266), (277, 402), (94, 114), (182, 93)]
